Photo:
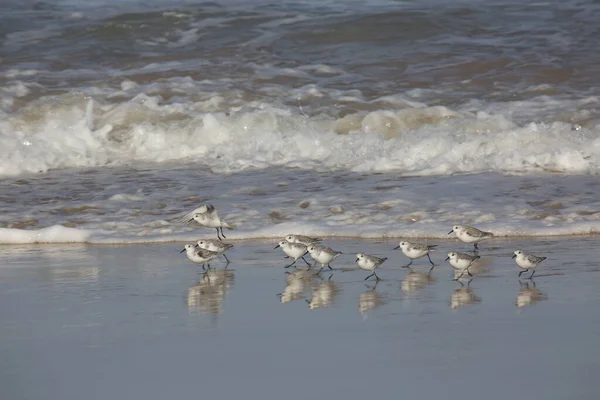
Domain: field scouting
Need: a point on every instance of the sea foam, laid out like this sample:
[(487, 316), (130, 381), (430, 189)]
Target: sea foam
[(51, 234), (72, 131)]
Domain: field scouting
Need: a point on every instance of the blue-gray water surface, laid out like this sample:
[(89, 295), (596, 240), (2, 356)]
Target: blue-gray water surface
[(142, 322)]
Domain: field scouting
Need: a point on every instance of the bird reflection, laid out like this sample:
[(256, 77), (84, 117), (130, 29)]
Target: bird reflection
[(415, 281), (478, 267), (208, 294), (369, 300), (529, 295), (296, 283), (463, 296), (323, 295)]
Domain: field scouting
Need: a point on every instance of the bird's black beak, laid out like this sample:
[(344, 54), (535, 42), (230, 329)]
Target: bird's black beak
[(197, 245), (397, 247), (451, 231), (181, 251), (276, 247), (447, 258), (514, 255), (356, 260), (190, 220)]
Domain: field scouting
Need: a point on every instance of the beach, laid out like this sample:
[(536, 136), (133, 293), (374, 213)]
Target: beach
[(363, 123), (142, 321)]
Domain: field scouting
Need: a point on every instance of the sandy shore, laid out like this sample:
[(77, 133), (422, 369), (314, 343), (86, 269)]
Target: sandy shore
[(142, 322)]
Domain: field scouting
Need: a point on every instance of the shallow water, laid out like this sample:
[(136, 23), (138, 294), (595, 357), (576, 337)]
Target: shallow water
[(142, 205), (141, 322)]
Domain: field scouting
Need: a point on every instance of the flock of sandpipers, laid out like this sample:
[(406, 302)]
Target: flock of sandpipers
[(297, 246)]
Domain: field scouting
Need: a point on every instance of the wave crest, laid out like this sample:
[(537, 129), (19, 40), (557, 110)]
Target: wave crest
[(69, 131)]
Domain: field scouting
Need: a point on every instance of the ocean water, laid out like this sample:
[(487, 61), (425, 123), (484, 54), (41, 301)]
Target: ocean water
[(336, 118)]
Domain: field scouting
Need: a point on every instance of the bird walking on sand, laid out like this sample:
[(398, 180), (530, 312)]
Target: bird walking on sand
[(323, 255), (416, 250), (199, 256), (461, 262), (527, 261), (369, 263), (293, 250), (215, 245), (468, 234), (305, 240)]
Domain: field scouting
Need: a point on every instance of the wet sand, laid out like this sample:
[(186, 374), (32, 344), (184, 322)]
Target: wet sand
[(142, 322)]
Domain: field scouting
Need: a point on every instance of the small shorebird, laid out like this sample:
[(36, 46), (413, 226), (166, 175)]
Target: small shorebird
[(305, 240), (215, 245), (206, 215), (416, 250), (293, 250), (527, 261), (461, 262), (199, 256), (323, 255), (369, 263), (468, 234)]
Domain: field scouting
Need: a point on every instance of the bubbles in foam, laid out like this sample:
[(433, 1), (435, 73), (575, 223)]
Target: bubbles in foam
[(183, 119), (52, 234)]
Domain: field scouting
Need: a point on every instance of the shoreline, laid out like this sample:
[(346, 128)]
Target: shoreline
[(118, 242)]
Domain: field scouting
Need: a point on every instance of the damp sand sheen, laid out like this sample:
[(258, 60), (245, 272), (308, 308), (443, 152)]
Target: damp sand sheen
[(129, 312)]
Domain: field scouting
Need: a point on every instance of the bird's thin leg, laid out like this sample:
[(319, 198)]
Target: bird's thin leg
[(305, 261), (460, 276), (377, 279), (287, 266), (330, 267), (218, 236), (430, 260), (407, 265), (226, 258), (222, 233), (369, 276), (469, 272), (476, 247), (531, 276), (431, 269), (522, 272)]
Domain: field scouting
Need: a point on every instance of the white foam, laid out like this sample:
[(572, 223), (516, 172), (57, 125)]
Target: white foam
[(51, 234), (60, 234), (328, 205), (15, 73), (392, 133)]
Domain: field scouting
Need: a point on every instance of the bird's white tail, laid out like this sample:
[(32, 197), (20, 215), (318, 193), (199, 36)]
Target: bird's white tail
[(227, 226)]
